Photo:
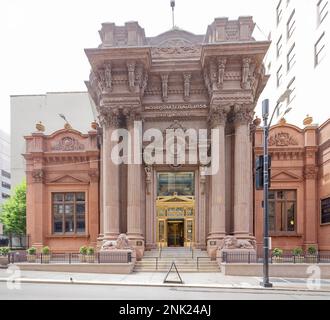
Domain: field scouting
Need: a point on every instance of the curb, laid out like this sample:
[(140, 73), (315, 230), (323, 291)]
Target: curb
[(200, 286)]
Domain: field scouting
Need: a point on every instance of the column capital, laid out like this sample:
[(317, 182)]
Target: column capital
[(131, 115), (218, 115), (243, 114), (109, 117)]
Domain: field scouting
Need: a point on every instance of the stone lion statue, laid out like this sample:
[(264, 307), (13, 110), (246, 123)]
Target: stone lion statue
[(120, 243), (231, 242)]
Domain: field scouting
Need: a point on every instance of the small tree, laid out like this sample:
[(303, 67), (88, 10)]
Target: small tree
[(13, 212)]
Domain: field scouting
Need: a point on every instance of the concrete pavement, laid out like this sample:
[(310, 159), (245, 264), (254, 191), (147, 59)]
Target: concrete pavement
[(155, 279)]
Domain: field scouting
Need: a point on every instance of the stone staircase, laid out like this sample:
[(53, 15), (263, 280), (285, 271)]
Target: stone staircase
[(186, 260)]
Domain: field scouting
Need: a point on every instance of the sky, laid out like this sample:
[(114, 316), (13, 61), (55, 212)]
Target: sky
[(43, 41)]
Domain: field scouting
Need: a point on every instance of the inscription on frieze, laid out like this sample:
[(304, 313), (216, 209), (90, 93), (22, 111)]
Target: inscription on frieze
[(174, 107)]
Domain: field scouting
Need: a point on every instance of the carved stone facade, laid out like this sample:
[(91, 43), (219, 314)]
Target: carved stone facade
[(178, 81)]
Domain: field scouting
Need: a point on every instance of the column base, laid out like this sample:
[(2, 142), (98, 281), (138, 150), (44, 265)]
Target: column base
[(213, 243), (137, 242)]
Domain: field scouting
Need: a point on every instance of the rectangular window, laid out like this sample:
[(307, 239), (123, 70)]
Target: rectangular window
[(292, 87), (5, 174), (283, 211), (279, 47), (5, 195), (322, 10), (325, 211), (291, 57), (279, 12), (5, 185), (320, 50), (179, 183), (69, 211), (291, 25), (279, 76)]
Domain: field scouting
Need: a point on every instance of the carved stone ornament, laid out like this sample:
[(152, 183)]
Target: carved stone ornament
[(121, 243), (38, 175), (68, 144), (232, 243), (131, 74), (282, 139), (176, 50), (109, 118), (186, 81), (246, 73), (164, 78), (221, 71), (310, 172), (93, 175), (218, 115), (243, 114), (148, 171), (108, 76)]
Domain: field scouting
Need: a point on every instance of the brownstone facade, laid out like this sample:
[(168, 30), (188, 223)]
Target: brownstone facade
[(77, 195)]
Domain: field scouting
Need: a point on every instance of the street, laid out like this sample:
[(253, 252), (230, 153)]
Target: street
[(27, 291)]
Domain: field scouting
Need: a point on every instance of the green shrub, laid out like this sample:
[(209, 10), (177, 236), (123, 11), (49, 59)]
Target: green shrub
[(31, 251), (45, 250), (297, 252), (83, 250), (4, 251), (277, 252), (312, 250), (90, 251)]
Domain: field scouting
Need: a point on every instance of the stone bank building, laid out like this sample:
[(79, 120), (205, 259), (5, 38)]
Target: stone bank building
[(177, 80)]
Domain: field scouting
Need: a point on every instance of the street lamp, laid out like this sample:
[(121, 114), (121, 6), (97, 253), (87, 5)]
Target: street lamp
[(265, 114)]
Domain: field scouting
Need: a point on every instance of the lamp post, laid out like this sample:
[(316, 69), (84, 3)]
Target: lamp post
[(265, 114)]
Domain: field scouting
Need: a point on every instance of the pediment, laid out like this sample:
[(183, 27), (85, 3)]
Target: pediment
[(285, 176), (176, 38), (172, 199), (68, 179)]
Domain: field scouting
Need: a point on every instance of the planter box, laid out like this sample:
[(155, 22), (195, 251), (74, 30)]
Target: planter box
[(90, 259), (3, 261), (46, 258), (31, 258)]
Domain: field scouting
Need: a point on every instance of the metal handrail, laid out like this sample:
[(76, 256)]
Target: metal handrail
[(199, 258), (156, 259)]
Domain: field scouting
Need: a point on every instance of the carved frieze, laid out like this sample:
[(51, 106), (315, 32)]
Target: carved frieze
[(163, 52), (174, 107), (68, 144), (282, 139)]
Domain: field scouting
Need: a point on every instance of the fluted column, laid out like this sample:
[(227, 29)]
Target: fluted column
[(242, 185), (134, 176), (111, 196), (218, 119)]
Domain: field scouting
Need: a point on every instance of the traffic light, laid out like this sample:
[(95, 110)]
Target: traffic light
[(260, 172)]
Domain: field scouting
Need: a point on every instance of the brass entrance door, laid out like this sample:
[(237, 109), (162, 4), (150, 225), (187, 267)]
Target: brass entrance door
[(175, 233)]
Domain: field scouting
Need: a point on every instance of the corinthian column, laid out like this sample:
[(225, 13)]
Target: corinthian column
[(111, 204), (134, 183), (218, 118), (243, 174)]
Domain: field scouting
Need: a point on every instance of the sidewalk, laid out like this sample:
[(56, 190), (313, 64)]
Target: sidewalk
[(198, 280)]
